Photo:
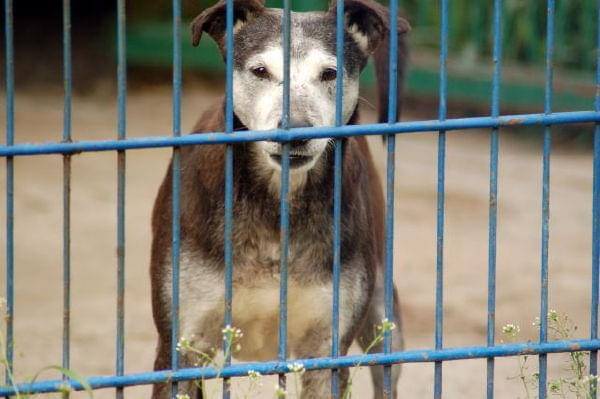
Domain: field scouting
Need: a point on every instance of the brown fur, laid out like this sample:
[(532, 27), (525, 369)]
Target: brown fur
[(256, 229)]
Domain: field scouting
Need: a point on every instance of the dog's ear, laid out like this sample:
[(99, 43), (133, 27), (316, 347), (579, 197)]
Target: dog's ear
[(368, 23), (213, 19)]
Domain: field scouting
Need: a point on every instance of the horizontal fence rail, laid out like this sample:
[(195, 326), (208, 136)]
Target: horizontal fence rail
[(336, 362), (276, 367), (483, 122)]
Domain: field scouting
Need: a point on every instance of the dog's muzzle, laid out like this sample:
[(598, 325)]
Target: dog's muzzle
[(298, 155)]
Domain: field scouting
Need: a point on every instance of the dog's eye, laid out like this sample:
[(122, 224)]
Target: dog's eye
[(261, 72), (328, 75)]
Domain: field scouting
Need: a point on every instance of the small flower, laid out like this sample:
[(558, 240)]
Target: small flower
[(296, 368), (511, 330), (183, 344), (555, 386), (590, 379), (386, 325), (553, 315), (280, 392), (231, 333), (254, 375)]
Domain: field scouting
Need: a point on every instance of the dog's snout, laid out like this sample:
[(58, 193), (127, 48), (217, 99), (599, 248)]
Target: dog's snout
[(298, 143), (295, 123)]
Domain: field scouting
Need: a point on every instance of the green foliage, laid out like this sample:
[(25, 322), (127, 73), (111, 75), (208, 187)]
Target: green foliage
[(64, 388), (470, 26), (576, 382)]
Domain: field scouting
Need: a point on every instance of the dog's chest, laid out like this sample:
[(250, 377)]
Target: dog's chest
[(256, 296)]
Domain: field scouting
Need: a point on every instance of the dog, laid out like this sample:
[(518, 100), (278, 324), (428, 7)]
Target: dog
[(258, 89)]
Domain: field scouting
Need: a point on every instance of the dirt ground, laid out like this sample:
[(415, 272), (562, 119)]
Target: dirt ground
[(38, 237)]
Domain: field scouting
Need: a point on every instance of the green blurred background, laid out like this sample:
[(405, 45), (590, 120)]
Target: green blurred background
[(38, 29), (470, 41)]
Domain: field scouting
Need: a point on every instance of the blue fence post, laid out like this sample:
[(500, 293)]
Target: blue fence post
[(439, 289), (176, 188), (493, 198), (68, 91), (10, 173), (390, 193), (596, 220), (284, 232), (337, 194), (228, 319), (543, 359), (121, 163)]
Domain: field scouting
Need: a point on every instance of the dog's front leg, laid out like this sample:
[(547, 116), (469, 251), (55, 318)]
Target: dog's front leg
[(368, 334), (163, 362), (317, 343), (317, 384)]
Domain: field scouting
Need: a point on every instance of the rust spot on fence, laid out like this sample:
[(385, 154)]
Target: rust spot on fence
[(527, 351), (515, 121)]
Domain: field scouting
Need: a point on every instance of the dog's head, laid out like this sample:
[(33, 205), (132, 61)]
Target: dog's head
[(258, 66)]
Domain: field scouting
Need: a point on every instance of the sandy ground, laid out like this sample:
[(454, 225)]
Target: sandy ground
[(38, 223)]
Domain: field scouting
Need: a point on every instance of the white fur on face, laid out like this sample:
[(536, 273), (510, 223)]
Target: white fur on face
[(258, 102)]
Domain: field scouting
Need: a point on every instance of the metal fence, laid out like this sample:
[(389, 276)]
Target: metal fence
[(438, 354)]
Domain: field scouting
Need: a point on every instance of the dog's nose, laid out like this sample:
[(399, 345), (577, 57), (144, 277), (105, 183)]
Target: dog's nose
[(294, 123), (298, 143)]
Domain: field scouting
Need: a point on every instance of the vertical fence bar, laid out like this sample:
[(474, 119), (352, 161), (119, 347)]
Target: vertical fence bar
[(228, 319), (388, 293), (121, 163), (543, 358), (493, 199), (337, 195), (596, 219), (10, 139), (68, 90), (176, 188), (284, 191), (439, 290)]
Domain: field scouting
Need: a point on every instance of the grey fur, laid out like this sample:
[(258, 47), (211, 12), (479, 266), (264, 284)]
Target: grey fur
[(256, 235)]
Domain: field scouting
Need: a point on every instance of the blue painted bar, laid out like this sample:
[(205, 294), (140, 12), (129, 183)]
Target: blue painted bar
[(68, 91), (10, 215), (265, 368), (543, 360), (283, 263), (441, 182), (284, 190), (228, 247), (493, 198), (596, 219), (121, 163), (337, 195), (67, 71), (388, 293), (484, 122), (176, 192)]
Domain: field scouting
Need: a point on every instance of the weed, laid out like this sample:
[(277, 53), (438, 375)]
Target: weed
[(70, 374), (577, 383)]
